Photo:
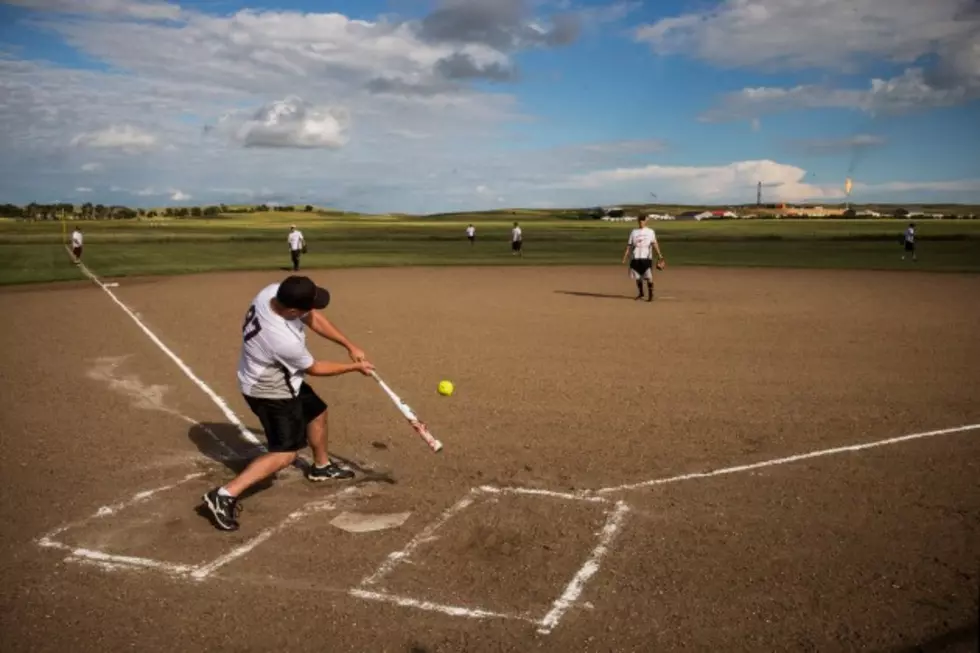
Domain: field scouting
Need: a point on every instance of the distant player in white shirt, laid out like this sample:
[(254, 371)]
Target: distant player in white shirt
[(271, 369), (517, 241), (471, 233), (640, 248), (910, 241), (76, 244), (297, 245)]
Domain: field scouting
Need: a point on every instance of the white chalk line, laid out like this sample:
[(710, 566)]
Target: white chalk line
[(218, 401), (584, 495), (574, 588), (320, 505), (427, 535), (451, 610), (139, 497), (108, 560), (788, 459)]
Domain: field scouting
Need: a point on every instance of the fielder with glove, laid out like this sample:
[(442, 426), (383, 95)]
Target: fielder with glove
[(639, 250)]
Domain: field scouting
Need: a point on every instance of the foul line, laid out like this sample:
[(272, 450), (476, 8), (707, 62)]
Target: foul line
[(219, 402), (788, 459)]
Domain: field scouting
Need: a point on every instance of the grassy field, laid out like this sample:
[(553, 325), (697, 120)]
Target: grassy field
[(33, 252)]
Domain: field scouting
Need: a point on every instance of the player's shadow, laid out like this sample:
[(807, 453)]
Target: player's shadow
[(599, 295)]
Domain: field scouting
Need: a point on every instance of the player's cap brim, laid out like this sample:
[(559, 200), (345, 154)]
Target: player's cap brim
[(322, 298)]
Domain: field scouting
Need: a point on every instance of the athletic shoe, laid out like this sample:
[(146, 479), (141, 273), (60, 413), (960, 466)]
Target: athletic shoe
[(331, 472), (224, 510)]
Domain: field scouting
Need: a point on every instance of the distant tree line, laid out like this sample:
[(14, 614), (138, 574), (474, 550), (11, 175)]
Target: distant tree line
[(89, 211)]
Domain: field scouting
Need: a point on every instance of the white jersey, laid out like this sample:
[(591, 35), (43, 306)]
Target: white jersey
[(295, 239), (273, 352), (515, 234), (470, 231), (76, 239), (642, 241), (910, 235)]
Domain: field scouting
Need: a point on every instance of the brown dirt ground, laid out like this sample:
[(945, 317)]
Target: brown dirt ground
[(563, 383)]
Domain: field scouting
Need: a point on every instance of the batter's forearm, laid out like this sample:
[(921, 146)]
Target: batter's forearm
[(328, 368), (323, 327)]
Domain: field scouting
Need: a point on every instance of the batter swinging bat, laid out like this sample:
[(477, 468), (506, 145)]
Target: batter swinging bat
[(419, 427)]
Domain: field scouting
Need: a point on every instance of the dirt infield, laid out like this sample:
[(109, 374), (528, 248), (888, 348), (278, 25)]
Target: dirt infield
[(538, 527)]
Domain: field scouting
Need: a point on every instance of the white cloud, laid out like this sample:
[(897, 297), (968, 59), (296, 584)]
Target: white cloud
[(291, 122), (793, 34), (120, 137), (83, 189), (91, 167), (712, 183), (179, 196), (837, 36), (908, 92)]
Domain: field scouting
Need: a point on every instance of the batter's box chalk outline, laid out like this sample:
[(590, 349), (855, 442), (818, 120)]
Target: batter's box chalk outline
[(370, 587), (114, 562)]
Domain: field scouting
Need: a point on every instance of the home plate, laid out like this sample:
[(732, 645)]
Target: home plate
[(357, 522)]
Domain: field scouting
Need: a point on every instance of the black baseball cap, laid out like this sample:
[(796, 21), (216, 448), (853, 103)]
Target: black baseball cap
[(302, 294)]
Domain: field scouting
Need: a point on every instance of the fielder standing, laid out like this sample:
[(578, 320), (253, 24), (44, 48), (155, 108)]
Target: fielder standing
[(76, 244), (910, 241), (517, 241), (297, 245), (471, 233), (271, 369), (640, 247)]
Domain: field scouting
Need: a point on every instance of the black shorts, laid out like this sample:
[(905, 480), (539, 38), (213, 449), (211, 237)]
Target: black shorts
[(641, 265), (472, 238), (516, 245), (77, 251), (285, 420), (909, 246)]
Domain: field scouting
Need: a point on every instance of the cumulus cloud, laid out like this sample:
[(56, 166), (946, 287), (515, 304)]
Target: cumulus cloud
[(179, 196), (712, 183), (290, 123), (118, 137), (91, 166)]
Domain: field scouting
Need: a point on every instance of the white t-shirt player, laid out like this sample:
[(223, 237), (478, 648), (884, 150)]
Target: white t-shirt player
[(641, 248), (274, 352)]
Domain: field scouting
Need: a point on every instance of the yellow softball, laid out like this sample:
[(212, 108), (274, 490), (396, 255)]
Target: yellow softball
[(445, 388)]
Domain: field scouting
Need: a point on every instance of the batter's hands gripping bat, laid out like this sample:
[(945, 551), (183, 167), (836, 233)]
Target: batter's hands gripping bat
[(419, 427)]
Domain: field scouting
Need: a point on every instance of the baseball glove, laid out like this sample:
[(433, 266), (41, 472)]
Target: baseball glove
[(661, 263)]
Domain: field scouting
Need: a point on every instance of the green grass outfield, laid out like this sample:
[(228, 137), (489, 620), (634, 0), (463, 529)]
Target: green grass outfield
[(33, 252)]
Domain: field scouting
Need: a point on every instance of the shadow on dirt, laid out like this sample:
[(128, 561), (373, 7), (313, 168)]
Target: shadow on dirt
[(223, 443), (592, 294), (966, 636)]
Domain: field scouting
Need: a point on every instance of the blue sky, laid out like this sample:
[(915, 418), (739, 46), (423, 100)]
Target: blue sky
[(439, 105)]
